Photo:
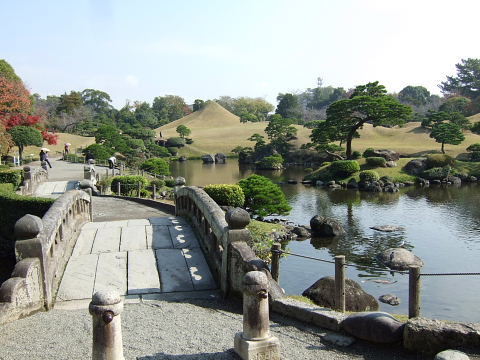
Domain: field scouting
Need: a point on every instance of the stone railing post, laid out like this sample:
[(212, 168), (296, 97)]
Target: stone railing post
[(255, 342), (105, 308), (237, 220)]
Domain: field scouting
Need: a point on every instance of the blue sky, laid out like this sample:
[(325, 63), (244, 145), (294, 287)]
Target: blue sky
[(138, 50)]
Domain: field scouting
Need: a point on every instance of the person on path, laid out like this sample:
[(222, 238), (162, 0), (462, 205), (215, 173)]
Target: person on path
[(44, 157), (67, 148), (112, 161)]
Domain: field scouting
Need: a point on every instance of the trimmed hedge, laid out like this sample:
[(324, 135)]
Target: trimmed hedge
[(376, 161), (226, 194), (11, 176), (270, 162), (474, 147), (369, 152), (437, 173), (175, 142), (7, 187), (128, 184), (369, 175), (157, 166), (475, 156), (439, 160), (343, 168)]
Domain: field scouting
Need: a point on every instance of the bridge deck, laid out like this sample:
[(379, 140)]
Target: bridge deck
[(135, 256)]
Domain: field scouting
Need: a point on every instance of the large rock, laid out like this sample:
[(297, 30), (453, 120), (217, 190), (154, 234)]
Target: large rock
[(388, 155), (431, 336), (399, 259), (325, 227), (208, 159), (416, 166), (220, 158), (376, 327), (389, 299), (322, 293)]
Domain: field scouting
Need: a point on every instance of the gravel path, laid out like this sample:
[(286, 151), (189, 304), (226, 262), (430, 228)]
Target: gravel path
[(187, 330)]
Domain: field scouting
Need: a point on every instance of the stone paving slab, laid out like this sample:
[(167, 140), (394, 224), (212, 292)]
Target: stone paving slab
[(84, 242), (79, 278), (133, 238), (142, 272), (112, 272), (201, 276), (107, 240), (183, 237), (161, 238), (174, 273)]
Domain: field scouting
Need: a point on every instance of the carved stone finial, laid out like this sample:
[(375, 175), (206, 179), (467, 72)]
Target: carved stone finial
[(28, 227), (237, 218), (180, 181), (255, 282), (26, 168)]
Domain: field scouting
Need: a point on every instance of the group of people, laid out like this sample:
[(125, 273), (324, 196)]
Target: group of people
[(89, 158)]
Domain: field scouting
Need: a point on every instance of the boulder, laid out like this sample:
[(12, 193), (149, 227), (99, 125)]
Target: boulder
[(376, 327), (387, 228), (431, 336), (389, 299), (416, 166), (455, 180), (322, 293), (319, 183), (325, 227), (399, 259), (208, 159), (301, 231), (182, 158), (388, 155), (391, 164), (220, 158), (451, 355), (352, 184)]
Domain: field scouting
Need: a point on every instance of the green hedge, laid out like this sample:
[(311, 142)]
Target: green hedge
[(11, 176), (157, 166), (369, 175), (128, 184), (175, 142), (438, 173), (439, 160), (270, 162), (474, 147), (369, 152), (376, 161), (343, 168), (14, 206), (7, 187), (226, 194), (475, 156)]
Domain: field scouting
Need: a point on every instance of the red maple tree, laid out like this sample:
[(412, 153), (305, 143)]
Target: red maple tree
[(14, 97)]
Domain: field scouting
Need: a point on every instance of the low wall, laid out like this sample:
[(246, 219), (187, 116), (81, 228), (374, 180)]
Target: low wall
[(223, 239), (31, 179), (43, 246)]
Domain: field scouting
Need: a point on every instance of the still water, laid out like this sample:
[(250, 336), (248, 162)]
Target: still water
[(441, 226)]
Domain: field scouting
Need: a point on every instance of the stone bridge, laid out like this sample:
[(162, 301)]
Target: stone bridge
[(137, 247)]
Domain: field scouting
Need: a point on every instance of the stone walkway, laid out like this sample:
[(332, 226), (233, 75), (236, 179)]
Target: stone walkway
[(135, 257)]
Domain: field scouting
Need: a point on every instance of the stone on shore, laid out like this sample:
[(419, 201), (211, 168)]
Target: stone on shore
[(451, 355), (387, 228), (389, 299), (322, 293), (376, 327)]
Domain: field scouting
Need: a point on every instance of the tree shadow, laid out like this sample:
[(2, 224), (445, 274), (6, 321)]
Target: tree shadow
[(229, 354)]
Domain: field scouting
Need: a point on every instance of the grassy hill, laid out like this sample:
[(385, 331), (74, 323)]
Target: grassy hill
[(215, 129), (76, 141)]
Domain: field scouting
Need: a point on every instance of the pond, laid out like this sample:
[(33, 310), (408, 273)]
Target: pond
[(441, 225)]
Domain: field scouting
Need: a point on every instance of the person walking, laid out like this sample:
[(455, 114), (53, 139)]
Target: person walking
[(44, 156), (89, 156), (112, 161)]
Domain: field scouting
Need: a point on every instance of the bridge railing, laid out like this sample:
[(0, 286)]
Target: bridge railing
[(43, 248), (223, 238), (31, 179)]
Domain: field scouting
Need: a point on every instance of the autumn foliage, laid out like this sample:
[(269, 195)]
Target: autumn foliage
[(13, 97)]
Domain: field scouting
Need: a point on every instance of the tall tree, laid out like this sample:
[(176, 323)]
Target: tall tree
[(5, 140), (280, 131), (414, 95), (24, 136), (68, 102), (368, 103), (198, 104), (288, 106), (169, 108), (14, 97), (98, 100), (447, 133), (433, 118), (467, 81)]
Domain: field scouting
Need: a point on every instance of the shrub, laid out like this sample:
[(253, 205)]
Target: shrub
[(439, 160), (157, 166), (263, 197), (226, 194), (7, 188), (369, 175), (437, 173), (376, 161), (128, 184), (356, 155), (14, 206), (99, 152), (343, 168), (159, 183), (170, 182), (175, 142), (189, 141), (369, 152), (13, 176), (475, 156), (387, 179), (157, 150), (474, 147), (273, 162), (173, 151)]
